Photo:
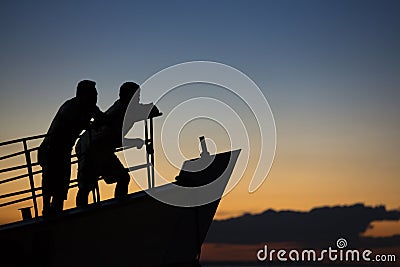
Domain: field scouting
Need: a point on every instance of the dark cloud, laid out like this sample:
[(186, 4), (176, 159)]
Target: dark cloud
[(316, 228)]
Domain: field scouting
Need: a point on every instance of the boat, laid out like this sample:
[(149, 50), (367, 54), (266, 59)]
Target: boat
[(139, 230)]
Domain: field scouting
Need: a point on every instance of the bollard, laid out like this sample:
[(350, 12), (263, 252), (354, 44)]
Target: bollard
[(26, 213)]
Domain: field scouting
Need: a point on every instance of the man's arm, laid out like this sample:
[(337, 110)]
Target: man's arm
[(133, 142)]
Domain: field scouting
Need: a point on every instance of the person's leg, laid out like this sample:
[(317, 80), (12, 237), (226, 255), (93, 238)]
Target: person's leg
[(48, 185), (120, 173), (46, 197), (46, 203), (121, 189), (83, 177), (62, 171), (82, 197), (57, 204), (87, 176)]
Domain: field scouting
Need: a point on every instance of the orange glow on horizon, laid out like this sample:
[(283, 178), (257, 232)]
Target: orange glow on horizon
[(383, 229)]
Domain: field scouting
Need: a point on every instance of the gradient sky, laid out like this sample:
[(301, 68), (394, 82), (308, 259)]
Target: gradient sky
[(330, 71)]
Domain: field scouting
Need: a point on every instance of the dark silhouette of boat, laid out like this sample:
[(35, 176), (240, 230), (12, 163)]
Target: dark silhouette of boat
[(136, 231)]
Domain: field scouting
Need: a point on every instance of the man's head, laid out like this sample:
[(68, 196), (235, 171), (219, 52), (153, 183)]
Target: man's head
[(128, 90), (86, 92)]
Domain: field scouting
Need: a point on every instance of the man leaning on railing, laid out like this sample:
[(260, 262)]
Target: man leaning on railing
[(96, 147), (54, 154)]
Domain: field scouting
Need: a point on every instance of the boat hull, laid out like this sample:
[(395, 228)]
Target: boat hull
[(137, 231)]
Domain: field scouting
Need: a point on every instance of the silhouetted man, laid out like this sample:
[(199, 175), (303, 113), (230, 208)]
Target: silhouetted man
[(54, 153), (96, 148)]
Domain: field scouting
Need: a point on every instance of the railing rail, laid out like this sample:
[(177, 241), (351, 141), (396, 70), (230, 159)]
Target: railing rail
[(29, 138)]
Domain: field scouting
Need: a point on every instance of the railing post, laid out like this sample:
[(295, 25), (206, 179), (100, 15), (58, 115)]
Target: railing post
[(148, 151), (152, 152), (30, 173)]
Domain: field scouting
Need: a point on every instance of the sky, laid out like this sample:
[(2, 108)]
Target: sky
[(330, 71)]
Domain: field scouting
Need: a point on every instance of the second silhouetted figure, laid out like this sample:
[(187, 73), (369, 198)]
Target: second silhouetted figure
[(96, 148)]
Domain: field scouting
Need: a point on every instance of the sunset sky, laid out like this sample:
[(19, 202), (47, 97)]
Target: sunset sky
[(330, 71)]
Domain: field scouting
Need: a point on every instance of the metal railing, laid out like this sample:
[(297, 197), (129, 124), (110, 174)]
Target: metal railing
[(29, 165)]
